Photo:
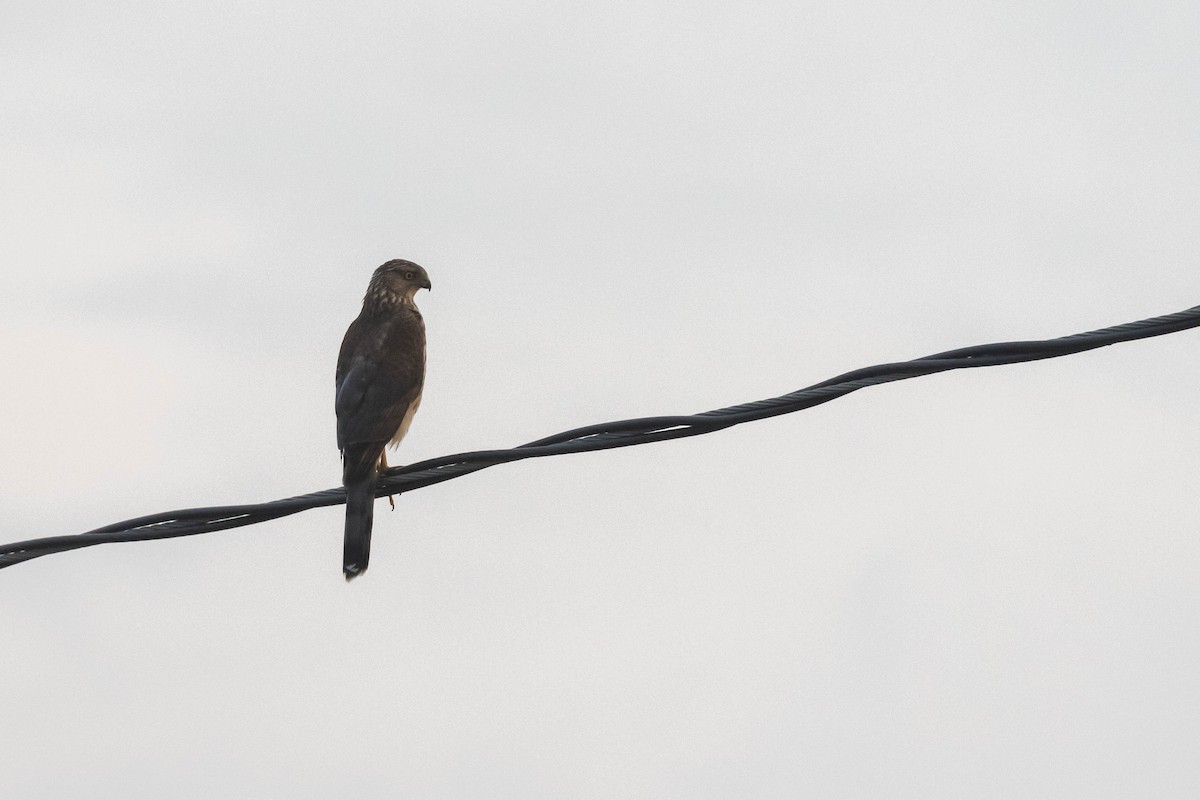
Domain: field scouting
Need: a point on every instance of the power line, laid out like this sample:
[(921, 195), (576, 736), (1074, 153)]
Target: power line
[(623, 433)]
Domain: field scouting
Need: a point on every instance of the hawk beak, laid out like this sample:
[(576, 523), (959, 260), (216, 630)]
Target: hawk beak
[(428, 285)]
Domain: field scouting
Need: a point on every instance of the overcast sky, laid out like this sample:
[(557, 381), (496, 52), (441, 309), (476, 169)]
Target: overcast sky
[(979, 584)]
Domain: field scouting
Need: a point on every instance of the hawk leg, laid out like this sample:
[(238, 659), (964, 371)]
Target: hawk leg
[(382, 466)]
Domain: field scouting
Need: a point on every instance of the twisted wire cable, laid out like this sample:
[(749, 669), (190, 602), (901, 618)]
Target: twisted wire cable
[(604, 436)]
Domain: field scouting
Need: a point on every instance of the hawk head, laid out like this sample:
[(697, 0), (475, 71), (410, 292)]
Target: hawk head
[(397, 281)]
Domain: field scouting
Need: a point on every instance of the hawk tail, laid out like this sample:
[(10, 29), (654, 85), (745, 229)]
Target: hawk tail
[(360, 507)]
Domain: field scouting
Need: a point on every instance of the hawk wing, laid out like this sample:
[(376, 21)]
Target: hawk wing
[(380, 373)]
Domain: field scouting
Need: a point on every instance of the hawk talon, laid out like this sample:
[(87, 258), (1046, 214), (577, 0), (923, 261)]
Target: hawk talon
[(383, 467)]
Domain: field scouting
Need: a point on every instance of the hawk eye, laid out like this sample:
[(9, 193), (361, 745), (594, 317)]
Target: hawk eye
[(408, 276)]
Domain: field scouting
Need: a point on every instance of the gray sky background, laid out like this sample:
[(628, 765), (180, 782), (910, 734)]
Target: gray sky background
[(979, 584)]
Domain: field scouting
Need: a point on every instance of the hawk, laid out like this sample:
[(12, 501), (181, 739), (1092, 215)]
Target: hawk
[(380, 374)]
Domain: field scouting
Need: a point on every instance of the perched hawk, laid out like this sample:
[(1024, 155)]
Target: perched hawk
[(380, 372)]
